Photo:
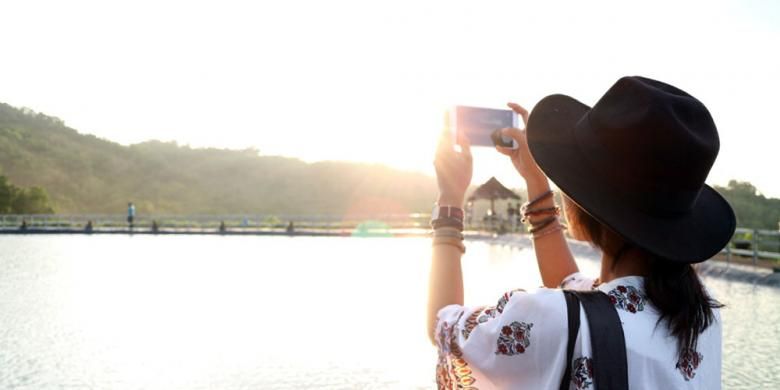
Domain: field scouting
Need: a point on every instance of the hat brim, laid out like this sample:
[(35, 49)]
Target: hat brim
[(694, 237)]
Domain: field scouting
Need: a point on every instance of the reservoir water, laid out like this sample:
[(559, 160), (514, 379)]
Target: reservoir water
[(212, 312)]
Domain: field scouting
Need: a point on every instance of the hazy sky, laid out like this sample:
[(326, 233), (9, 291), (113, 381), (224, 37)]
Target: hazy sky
[(367, 80)]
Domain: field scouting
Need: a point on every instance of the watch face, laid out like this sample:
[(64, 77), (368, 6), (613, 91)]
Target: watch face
[(446, 211), (435, 212)]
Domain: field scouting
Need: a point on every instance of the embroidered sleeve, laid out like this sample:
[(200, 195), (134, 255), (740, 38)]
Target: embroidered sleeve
[(503, 345), (578, 281)]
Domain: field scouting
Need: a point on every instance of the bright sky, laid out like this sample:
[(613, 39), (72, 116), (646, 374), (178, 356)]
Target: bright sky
[(367, 80)]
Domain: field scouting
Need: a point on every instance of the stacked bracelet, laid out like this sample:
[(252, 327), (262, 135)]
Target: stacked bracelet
[(452, 234), (538, 226), (552, 229), (448, 236), (447, 222), (547, 210), (525, 207), (545, 226)]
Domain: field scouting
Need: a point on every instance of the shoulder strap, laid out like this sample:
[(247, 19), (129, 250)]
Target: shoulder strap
[(573, 312), (610, 367)]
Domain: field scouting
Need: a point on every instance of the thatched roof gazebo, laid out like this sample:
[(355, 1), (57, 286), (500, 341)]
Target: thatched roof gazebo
[(492, 190)]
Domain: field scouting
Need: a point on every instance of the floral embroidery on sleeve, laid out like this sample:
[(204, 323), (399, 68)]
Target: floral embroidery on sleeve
[(472, 321), (514, 338), (505, 298), (627, 298), (688, 363), (484, 314), (462, 373), (487, 314), (452, 371), (582, 375)]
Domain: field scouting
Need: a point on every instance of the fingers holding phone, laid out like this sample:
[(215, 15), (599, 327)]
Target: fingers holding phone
[(521, 156), (519, 110)]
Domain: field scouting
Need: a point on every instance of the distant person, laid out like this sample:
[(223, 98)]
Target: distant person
[(632, 173), (88, 228), (510, 215), (23, 226), (290, 228), (155, 226), (222, 227), (130, 214)]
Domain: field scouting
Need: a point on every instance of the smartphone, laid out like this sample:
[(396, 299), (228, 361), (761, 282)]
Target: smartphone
[(481, 125)]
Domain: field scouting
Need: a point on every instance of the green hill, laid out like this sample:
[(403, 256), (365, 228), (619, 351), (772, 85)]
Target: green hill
[(753, 209), (85, 174)]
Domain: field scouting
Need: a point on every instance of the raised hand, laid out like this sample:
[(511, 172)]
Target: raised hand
[(453, 169), (521, 157)]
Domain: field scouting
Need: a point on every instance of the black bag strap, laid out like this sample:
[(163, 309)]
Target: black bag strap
[(573, 313), (610, 365)]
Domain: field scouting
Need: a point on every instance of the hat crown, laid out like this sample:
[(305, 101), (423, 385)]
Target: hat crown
[(656, 143), (637, 162)]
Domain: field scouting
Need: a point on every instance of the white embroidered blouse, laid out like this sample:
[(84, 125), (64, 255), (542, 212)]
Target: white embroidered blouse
[(521, 343)]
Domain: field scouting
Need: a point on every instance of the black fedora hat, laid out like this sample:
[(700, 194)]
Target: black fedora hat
[(637, 162)]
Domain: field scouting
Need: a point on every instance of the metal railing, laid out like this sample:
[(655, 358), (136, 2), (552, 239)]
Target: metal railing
[(754, 243), (246, 222), (101, 222)]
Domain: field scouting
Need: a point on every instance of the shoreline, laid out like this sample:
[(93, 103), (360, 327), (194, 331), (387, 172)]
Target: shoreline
[(516, 240)]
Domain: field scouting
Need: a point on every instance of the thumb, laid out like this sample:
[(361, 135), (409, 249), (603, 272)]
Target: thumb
[(465, 146), (516, 134)]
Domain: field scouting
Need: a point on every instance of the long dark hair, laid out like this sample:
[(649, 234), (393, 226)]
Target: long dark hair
[(673, 288)]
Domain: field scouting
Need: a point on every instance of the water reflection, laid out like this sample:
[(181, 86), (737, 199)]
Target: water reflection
[(204, 312)]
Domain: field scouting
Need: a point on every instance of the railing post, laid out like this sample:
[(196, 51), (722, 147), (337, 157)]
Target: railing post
[(728, 254), (755, 246)]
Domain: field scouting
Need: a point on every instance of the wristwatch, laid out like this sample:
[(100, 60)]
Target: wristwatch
[(448, 212)]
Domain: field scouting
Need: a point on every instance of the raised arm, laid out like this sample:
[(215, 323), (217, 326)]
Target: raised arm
[(552, 251), (453, 174)]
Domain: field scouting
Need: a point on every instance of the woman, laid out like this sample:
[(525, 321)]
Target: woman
[(632, 171)]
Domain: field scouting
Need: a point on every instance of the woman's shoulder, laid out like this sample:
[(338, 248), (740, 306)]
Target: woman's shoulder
[(541, 312), (506, 343), (518, 302)]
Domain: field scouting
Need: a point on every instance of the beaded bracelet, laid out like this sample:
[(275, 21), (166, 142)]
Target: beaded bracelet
[(453, 234), (547, 210), (537, 226), (554, 209), (536, 200), (547, 232), (449, 241), (446, 228)]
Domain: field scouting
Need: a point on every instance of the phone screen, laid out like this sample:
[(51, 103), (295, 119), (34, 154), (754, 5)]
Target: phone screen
[(480, 125)]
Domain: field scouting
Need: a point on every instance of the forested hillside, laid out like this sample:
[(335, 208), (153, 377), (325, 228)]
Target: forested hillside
[(753, 209), (85, 174)]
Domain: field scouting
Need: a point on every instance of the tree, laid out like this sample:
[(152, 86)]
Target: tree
[(33, 200), (6, 195), (753, 210), (15, 200)]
